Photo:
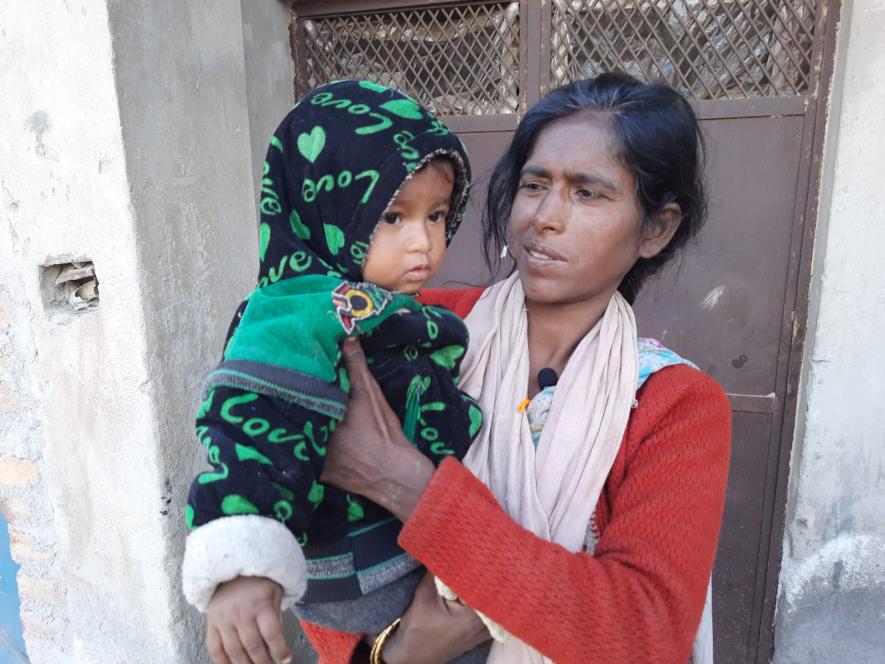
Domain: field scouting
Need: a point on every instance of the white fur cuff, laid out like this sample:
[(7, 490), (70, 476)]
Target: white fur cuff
[(235, 546)]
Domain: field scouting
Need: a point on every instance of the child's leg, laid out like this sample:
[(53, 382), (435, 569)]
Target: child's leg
[(368, 614)]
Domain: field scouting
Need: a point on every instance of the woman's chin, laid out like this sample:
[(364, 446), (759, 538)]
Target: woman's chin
[(540, 288), (540, 293)]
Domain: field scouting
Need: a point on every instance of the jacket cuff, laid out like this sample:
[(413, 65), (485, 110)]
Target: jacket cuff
[(246, 545)]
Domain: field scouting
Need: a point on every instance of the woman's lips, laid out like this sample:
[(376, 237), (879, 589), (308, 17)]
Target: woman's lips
[(538, 255)]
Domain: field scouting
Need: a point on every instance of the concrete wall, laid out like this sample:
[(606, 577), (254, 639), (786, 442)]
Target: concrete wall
[(832, 587), (129, 128), (269, 72), (81, 463), (179, 69)]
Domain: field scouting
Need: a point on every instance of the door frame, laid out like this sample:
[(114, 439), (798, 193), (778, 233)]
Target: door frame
[(535, 43)]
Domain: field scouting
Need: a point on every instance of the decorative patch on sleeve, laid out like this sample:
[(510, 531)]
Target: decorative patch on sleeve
[(357, 302)]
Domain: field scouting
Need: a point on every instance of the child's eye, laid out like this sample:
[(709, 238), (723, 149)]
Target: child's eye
[(439, 215), (390, 218)]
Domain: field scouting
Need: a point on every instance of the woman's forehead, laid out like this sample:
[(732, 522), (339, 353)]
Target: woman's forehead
[(582, 143)]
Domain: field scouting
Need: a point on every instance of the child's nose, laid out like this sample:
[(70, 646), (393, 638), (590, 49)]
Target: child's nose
[(419, 237)]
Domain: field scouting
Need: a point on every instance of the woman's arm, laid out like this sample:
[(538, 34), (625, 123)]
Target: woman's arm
[(639, 597), (370, 455)]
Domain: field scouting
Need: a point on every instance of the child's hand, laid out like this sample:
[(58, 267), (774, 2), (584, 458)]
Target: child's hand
[(244, 624)]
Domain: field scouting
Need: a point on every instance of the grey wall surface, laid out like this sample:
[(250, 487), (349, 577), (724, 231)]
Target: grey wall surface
[(179, 69), (85, 471), (269, 72), (831, 605), (130, 130)]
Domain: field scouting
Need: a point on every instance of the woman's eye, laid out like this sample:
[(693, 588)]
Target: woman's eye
[(530, 186), (390, 218), (586, 193)]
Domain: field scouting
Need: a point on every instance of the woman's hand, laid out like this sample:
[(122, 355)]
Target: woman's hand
[(368, 453), (434, 630), (244, 625)]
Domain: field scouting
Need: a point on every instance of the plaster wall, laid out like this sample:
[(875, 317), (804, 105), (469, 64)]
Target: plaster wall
[(179, 69), (831, 602), (129, 131), (82, 487), (269, 73)]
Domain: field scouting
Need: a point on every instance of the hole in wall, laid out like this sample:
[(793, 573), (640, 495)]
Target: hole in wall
[(69, 287)]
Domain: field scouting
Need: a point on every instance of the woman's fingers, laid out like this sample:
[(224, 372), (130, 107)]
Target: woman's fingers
[(271, 627), (353, 353), (215, 647), (368, 454), (361, 379), (432, 630), (364, 385)]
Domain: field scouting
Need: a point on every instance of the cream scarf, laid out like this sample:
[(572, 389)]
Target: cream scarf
[(551, 490)]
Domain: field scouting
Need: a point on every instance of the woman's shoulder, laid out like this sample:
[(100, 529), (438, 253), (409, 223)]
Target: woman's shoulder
[(682, 420), (680, 412), (679, 390)]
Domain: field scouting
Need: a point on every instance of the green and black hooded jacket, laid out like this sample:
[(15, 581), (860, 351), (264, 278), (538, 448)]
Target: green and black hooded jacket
[(333, 167)]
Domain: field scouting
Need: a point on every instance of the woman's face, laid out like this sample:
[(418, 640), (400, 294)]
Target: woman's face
[(576, 224)]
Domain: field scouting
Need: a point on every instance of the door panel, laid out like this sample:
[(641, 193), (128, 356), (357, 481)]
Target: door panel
[(734, 576), (736, 303), (464, 264), (722, 305)]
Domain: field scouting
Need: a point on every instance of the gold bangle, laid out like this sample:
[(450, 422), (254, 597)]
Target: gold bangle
[(378, 646)]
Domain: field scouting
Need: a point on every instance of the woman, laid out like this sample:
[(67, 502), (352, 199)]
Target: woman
[(580, 528)]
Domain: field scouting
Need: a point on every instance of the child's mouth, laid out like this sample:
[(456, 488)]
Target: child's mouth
[(419, 273)]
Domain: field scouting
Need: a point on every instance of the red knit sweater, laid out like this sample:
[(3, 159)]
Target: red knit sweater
[(639, 596)]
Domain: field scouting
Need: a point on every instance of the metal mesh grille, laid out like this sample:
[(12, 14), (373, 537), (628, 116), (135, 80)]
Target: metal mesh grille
[(455, 61), (707, 49)]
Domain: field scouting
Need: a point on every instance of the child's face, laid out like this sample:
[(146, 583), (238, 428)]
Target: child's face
[(410, 240)]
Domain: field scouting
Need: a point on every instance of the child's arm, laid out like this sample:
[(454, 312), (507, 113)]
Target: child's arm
[(251, 509)]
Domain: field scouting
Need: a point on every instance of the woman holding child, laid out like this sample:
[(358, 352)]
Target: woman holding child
[(582, 524)]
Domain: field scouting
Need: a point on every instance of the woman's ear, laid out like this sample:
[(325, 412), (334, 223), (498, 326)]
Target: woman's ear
[(658, 230)]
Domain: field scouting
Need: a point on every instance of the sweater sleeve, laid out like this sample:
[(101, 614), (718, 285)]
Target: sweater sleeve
[(458, 300), (332, 646), (249, 513), (639, 597)]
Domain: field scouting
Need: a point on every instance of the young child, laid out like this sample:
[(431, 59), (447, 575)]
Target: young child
[(362, 190)]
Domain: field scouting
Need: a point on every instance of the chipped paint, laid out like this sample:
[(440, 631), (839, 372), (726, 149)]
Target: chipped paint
[(712, 298)]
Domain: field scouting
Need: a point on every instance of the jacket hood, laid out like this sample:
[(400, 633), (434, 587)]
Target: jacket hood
[(334, 165)]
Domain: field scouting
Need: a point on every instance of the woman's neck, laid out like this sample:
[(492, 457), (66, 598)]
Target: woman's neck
[(554, 331)]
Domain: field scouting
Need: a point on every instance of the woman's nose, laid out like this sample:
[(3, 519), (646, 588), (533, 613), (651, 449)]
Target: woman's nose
[(550, 213)]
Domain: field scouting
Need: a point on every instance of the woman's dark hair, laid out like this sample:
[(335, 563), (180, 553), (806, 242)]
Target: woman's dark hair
[(657, 138)]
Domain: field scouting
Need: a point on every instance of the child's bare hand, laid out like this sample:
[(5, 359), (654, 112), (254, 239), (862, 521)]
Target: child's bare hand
[(244, 623)]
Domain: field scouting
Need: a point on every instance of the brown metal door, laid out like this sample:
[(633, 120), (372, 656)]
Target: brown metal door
[(754, 70)]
